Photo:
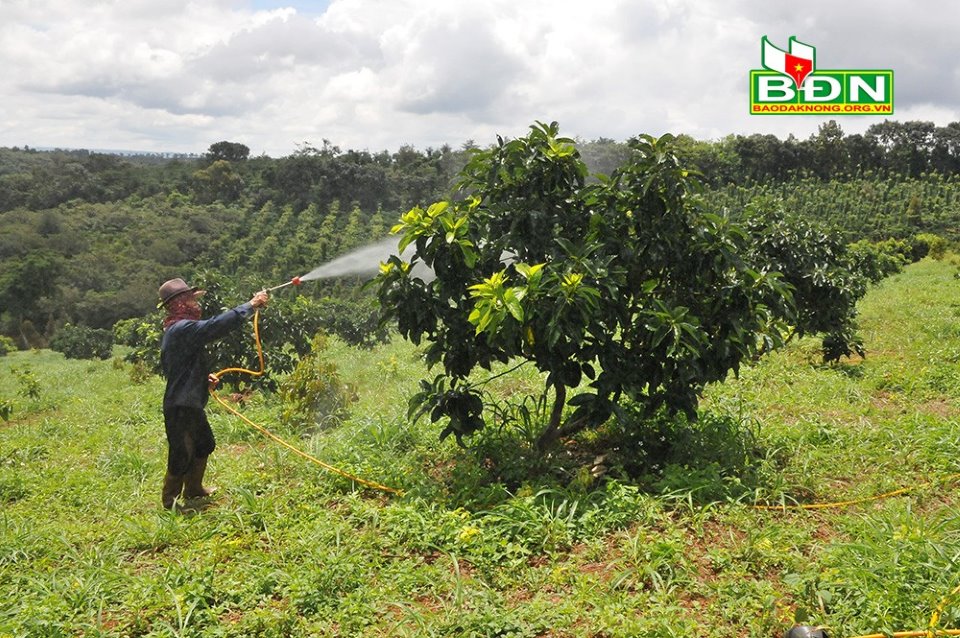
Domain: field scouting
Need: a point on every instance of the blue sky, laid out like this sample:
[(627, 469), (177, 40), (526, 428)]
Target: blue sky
[(179, 75), (306, 7)]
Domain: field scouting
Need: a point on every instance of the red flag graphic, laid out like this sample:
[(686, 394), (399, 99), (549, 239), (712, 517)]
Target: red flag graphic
[(797, 68)]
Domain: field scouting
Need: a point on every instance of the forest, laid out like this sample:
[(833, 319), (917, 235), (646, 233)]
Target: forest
[(85, 238)]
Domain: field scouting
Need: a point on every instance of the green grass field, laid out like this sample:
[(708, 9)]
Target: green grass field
[(288, 549)]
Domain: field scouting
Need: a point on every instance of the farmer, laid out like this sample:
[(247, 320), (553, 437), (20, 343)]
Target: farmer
[(184, 362)]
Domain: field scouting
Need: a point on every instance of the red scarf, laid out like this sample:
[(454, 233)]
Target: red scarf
[(179, 308)]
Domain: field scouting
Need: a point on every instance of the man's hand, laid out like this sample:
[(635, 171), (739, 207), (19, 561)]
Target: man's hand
[(260, 299)]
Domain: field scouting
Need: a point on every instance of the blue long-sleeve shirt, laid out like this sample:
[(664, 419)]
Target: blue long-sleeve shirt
[(183, 357)]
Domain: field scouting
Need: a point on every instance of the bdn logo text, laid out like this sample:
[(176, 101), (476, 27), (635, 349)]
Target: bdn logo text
[(790, 84)]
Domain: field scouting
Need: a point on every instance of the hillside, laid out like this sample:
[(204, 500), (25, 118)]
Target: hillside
[(289, 549)]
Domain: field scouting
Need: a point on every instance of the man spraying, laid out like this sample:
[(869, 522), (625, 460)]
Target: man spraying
[(183, 359)]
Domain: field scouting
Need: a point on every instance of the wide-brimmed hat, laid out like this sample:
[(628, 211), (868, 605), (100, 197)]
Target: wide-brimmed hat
[(174, 288)]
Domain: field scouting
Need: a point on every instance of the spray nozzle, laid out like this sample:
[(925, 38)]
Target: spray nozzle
[(295, 281)]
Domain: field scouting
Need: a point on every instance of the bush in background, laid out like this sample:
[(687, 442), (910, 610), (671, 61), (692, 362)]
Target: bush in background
[(877, 260), (821, 271), (81, 342), (357, 323), (143, 336), (7, 345), (936, 246)]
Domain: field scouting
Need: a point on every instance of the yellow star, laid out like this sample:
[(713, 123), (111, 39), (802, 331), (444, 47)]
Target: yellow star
[(799, 67)]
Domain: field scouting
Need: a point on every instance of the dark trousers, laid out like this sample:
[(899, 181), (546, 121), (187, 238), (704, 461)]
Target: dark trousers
[(188, 437)]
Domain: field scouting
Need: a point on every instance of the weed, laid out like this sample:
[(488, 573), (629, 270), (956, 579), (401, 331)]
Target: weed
[(28, 381)]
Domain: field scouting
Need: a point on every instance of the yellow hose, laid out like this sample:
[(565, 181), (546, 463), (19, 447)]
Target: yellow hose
[(856, 501), (271, 435)]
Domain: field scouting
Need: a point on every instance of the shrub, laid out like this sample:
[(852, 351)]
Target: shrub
[(313, 394), (7, 345), (81, 342), (936, 246), (356, 323), (877, 260), (143, 335), (29, 384), (820, 270)]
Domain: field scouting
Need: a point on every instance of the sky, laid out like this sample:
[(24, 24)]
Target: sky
[(179, 75)]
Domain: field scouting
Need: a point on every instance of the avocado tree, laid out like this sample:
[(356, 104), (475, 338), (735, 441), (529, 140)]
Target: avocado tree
[(625, 282), (826, 276)]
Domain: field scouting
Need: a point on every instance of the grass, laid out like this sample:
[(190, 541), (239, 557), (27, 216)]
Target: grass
[(287, 549)]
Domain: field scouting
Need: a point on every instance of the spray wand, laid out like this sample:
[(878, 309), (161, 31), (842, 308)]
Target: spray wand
[(295, 281)]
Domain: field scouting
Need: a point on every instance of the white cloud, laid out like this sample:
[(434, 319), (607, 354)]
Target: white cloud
[(179, 75)]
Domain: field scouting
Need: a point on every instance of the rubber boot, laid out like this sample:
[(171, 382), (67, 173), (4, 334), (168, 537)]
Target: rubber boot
[(193, 480), (172, 486)]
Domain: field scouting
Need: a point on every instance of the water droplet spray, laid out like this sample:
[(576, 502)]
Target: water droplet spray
[(364, 261)]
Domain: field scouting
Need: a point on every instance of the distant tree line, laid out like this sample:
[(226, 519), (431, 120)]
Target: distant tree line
[(395, 181), (227, 174), (889, 148)]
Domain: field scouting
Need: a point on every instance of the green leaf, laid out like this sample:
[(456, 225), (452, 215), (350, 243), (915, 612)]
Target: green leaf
[(437, 208), (405, 241), (470, 255), (515, 309), (528, 271)]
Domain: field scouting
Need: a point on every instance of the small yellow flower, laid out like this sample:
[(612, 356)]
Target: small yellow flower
[(467, 533)]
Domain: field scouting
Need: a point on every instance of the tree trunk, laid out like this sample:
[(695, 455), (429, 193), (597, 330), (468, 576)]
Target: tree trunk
[(551, 433)]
